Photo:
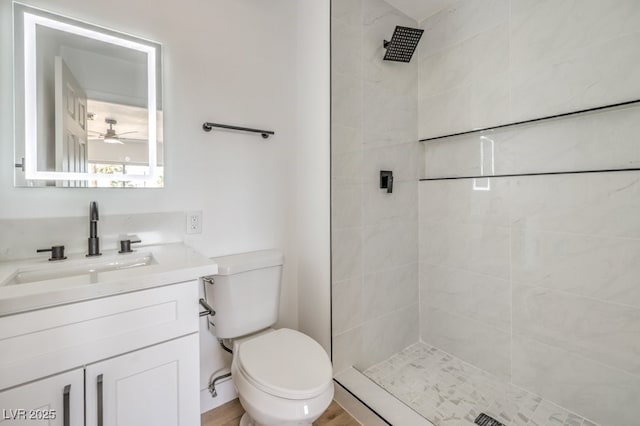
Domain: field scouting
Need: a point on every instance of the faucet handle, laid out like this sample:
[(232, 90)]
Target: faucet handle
[(125, 245), (57, 252)]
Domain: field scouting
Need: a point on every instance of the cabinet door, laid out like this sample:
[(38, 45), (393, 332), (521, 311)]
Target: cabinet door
[(153, 386), (55, 401)]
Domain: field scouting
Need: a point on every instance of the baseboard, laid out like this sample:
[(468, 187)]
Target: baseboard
[(226, 392)]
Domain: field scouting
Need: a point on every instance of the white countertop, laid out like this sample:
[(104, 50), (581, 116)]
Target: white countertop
[(172, 263)]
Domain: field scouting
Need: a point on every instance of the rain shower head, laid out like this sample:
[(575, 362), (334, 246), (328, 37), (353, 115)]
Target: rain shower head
[(402, 45)]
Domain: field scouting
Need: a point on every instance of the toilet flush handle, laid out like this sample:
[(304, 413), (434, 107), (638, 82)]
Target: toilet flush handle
[(208, 309)]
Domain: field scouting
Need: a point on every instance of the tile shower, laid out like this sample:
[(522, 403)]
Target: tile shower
[(517, 296)]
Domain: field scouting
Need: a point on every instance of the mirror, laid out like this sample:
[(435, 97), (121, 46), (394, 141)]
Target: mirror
[(88, 104)]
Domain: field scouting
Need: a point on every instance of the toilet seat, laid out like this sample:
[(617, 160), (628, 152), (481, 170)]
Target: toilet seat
[(285, 363)]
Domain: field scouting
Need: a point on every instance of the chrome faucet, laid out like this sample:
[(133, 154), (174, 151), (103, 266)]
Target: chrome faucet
[(94, 241)]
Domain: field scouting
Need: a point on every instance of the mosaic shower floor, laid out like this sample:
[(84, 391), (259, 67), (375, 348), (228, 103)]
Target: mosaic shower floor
[(449, 391)]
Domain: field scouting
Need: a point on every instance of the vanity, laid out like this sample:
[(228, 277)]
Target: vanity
[(107, 341)]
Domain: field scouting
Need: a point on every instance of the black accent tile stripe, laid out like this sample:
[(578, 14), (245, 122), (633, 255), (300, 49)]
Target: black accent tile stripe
[(574, 172), (548, 117)]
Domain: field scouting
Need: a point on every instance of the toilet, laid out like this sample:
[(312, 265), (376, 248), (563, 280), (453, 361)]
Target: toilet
[(283, 377)]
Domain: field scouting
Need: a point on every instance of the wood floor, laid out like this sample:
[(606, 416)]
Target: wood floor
[(229, 415)]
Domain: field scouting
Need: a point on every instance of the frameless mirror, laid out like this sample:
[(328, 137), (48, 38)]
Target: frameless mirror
[(88, 104)]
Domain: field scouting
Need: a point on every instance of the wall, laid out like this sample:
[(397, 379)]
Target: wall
[(374, 234), (228, 61), (313, 194), (534, 278)]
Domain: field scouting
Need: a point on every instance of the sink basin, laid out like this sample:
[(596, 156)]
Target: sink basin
[(89, 267)]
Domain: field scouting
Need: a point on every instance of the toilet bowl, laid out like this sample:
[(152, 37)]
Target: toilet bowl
[(283, 377)]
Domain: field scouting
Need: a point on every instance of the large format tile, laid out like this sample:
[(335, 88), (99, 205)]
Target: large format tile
[(346, 304), (479, 297), (456, 201), (470, 340), (388, 334), (597, 267), (460, 21), (477, 248), (346, 211), (598, 75), (390, 246), (381, 208), (346, 255), (546, 28), (347, 350), (600, 331), (605, 204), (389, 290), (600, 393)]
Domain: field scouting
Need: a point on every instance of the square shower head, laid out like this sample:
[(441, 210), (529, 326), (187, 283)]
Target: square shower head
[(402, 45)]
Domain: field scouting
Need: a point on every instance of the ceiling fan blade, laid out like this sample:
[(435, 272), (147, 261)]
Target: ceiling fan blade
[(126, 133)]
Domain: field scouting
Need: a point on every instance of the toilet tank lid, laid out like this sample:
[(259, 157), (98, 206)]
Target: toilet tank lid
[(242, 262)]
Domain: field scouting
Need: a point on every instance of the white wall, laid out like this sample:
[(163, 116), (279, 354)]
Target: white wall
[(313, 173), (227, 61)]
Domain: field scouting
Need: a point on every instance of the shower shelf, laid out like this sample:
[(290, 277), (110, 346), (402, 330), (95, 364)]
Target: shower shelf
[(549, 117)]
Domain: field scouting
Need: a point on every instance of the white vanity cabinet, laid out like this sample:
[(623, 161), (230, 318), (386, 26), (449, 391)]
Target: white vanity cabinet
[(54, 401), (130, 359), (153, 386)]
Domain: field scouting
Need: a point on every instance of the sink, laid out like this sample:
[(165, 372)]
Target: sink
[(89, 267)]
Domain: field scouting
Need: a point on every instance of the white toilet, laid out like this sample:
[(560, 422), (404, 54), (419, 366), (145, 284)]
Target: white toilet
[(283, 377)]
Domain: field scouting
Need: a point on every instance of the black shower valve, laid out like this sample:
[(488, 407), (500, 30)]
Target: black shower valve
[(386, 180)]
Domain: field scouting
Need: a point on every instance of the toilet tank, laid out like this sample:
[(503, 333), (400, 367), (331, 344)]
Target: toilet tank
[(245, 294)]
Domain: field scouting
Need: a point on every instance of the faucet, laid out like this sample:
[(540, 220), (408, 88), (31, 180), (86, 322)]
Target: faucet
[(94, 241)]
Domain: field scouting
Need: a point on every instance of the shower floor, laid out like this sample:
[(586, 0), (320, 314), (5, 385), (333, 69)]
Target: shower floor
[(449, 391)]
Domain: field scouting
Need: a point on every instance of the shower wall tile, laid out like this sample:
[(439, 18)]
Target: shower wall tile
[(346, 100), (401, 159), (389, 290), (394, 119), (603, 394), (479, 297), (589, 77), (599, 331), (381, 208), (383, 336), (388, 246), (347, 350), (346, 302), (374, 234), (547, 28), (346, 256), (460, 21), (345, 139), (347, 167), (346, 48), (347, 205), (487, 64), (470, 340), (600, 268), (347, 11), (476, 248), (456, 201), (602, 204)]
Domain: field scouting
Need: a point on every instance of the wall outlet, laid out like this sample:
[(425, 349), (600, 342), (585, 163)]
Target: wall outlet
[(194, 222)]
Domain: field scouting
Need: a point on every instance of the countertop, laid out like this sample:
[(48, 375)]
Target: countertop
[(172, 263)]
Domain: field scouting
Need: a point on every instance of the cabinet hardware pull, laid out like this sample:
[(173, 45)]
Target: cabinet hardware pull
[(100, 417), (66, 415)]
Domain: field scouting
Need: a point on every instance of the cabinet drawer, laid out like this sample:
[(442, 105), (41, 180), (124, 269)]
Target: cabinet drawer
[(39, 343)]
